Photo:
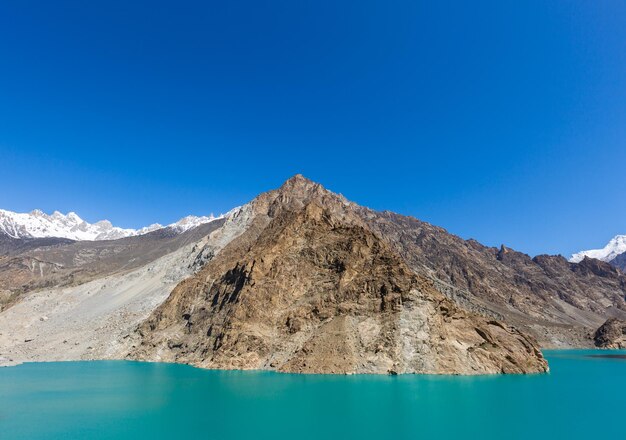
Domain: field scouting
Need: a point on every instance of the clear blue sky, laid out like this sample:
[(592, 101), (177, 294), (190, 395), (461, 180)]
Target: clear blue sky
[(502, 121)]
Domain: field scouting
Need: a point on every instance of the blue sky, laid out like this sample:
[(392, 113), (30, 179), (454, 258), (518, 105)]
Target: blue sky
[(501, 121)]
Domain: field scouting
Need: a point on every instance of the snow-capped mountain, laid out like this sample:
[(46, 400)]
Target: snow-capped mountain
[(615, 247), (37, 224), (191, 221)]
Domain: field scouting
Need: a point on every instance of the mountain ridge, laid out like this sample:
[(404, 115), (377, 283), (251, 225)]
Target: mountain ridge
[(37, 224), (301, 279), (309, 288)]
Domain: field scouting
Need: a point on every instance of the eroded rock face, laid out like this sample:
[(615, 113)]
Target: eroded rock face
[(612, 334), (310, 288), (558, 302)]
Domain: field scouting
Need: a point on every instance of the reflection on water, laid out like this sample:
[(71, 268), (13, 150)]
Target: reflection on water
[(608, 356)]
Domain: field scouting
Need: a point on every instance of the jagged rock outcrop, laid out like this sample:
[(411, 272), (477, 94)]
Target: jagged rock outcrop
[(310, 288), (612, 334)]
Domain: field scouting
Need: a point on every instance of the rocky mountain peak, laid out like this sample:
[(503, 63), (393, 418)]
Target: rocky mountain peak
[(300, 188), (309, 287), (296, 193), (502, 252), (299, 180)]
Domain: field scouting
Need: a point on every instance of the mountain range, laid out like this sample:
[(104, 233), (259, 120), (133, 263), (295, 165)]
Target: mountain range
[(302, 280), (37, 224)]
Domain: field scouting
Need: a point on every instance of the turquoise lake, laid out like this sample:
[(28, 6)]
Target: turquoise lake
[(583, 396)]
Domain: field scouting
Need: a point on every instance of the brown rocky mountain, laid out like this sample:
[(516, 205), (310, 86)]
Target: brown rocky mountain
[(309, 287), (612, 334), (558, 302), (302, 280)]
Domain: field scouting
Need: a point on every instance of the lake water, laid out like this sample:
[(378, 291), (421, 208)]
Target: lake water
[(582, 397)]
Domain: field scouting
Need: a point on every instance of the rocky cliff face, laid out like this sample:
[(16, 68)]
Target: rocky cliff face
[(619, 262), (612, 334), (558, 302), (309, 287)]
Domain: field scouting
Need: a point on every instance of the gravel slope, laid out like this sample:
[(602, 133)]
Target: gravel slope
[(94, 320)]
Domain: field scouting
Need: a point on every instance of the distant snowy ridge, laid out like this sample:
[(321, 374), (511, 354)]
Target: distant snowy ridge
[(37, 224), (615, 247)]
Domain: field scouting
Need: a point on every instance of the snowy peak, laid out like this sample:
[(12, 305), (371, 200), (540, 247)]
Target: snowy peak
[(190, 222), (615, 247), (38, 224)]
